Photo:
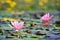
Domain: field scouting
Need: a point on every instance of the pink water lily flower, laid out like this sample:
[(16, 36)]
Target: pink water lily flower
[(17, 25), (46, 18)]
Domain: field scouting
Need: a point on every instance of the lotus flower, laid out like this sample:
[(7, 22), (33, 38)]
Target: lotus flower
[(17, 25), (46, 18)]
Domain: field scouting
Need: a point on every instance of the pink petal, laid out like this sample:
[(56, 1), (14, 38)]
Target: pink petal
[(21, 25), (45, 17), (17, 25), (51, 16), (14, 26)]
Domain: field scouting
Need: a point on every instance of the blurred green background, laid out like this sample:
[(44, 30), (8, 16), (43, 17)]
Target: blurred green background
[(29, 5)]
